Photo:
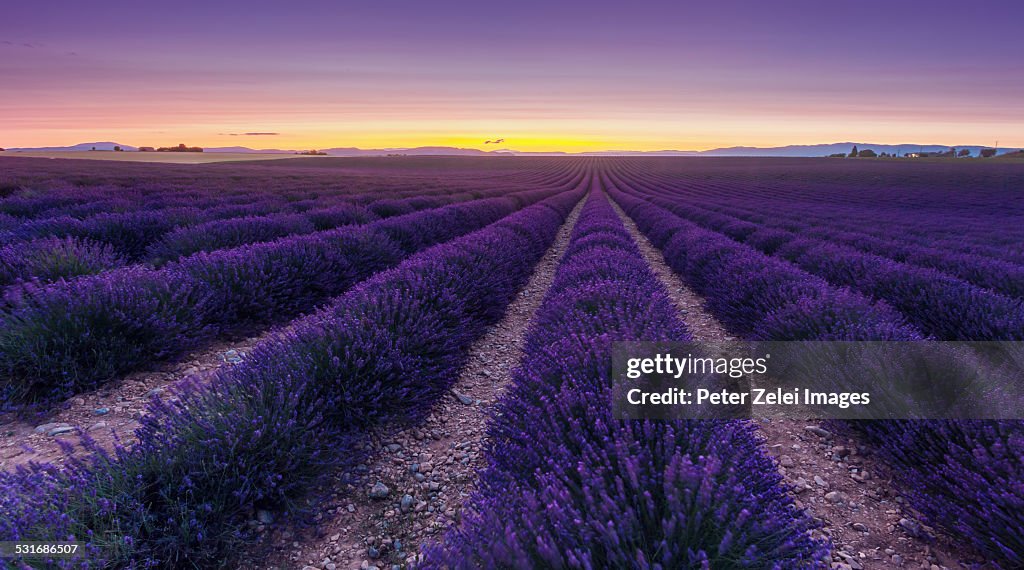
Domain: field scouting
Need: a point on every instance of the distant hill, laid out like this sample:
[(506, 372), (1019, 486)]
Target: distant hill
[(780, 151), (835, 148), (78, 147)]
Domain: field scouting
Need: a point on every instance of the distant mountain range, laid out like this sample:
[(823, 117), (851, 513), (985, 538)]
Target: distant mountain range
[(780, 151), (78, 147)]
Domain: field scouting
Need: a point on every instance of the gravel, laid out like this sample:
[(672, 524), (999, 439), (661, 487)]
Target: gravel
[(464, 399), (121, 404), (819, 431), (379, 491)]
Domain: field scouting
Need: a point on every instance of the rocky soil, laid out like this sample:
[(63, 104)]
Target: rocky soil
[(112, 412)]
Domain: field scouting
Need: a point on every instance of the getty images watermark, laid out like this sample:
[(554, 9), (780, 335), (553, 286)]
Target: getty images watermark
[(819, 380)]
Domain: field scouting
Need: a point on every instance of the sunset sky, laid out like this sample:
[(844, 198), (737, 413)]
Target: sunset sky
[(569, 76)]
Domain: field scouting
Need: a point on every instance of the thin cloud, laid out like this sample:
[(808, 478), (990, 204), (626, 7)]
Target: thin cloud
[(251, 134), (31, 45), (495, 141)]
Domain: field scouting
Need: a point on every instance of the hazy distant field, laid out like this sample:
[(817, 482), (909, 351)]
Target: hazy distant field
[(167, 157)]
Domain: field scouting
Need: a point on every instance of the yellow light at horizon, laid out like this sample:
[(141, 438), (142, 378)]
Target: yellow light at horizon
[(672, 133)]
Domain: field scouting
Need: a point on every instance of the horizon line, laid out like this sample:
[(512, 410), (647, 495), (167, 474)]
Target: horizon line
[(135, 148)]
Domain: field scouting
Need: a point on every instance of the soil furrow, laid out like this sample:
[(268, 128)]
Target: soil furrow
[(111, 412)]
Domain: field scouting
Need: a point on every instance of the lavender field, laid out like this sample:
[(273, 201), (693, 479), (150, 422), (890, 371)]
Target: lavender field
[(405, 362)]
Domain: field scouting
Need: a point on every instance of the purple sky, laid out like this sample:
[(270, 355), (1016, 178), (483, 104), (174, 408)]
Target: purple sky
[(572, 76)]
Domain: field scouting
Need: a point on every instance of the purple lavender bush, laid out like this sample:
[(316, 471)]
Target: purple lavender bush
[(60, 339), (219, 234), (939, 305), (964, 476), (390, 207), (133, 232), (339, 215), (49, 259), (8, 222)]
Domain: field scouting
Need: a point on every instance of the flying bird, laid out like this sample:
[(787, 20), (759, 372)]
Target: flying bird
[(495, 141)]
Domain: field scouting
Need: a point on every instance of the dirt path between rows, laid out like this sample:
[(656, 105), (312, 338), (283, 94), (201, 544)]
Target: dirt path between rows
[(111, 412), (832, 476), (412, 488)]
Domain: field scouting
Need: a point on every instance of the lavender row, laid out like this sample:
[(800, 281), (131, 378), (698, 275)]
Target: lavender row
[(66, 337), (568, 485), (48, 259), (267, 431), (964, 476)]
